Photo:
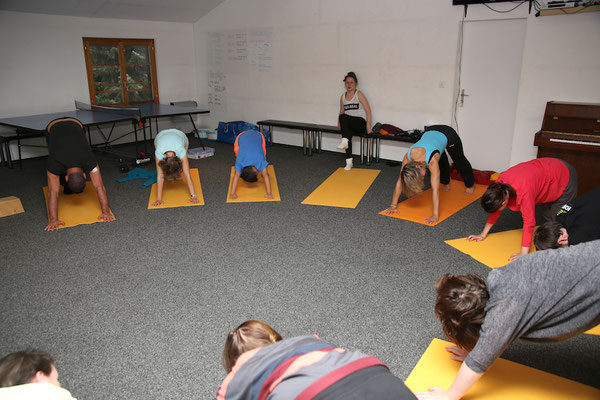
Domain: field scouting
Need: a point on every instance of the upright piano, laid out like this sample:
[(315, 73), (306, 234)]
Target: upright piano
[(571, 132)]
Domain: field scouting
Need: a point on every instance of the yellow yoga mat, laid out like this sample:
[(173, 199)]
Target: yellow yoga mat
[(176, 192), (495, 250), (594, 331), (343, 188), (504, 380), (256, 191), (419, 207), (77, 208)]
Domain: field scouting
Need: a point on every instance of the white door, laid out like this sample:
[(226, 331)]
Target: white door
[(490, 72)]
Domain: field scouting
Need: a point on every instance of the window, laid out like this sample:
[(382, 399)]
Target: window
[(121, 71)]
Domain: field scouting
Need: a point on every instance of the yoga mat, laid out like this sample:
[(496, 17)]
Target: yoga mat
[(176, 192), (77, 208), (495, 250), (343, 188), (594, 331), (504, 380), (256, 191), (419, 207)]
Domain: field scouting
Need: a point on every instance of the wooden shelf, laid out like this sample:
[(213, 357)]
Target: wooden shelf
[(568, 10)]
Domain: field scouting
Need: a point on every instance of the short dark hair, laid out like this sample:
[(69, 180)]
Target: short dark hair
[(494, 196), (351, 75), (171, 166), (20, 367), (546, 236), (249, 174), (76, 182), (460, 307)]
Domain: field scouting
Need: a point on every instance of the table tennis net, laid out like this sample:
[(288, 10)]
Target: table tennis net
[(134, 112)]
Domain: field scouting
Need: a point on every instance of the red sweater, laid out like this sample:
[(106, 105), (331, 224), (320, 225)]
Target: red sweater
[(542, 180)]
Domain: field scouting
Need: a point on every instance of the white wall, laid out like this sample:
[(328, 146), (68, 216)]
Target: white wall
[(42, 68), (561, 62), (405, 55)]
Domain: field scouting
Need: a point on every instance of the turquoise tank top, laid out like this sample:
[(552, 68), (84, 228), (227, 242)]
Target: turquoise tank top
[(430, 141)]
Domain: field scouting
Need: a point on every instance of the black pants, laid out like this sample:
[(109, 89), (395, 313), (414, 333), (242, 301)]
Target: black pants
[(351, 126), (369, 383), (455, 149), (549, 210)]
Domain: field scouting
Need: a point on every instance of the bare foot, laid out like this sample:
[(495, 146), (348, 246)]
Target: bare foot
[(470, 190), (446, 187)]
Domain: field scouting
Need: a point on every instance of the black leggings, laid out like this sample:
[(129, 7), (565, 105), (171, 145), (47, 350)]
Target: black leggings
[(351, 126), (455, 149)]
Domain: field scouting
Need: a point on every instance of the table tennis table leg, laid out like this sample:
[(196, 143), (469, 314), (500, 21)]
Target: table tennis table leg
[(196, 132), (137, 150), (19, 149), (145, 138)]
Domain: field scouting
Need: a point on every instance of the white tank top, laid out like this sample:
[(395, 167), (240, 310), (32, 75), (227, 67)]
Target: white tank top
[(353, 107)]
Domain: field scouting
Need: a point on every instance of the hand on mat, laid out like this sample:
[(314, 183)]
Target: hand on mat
[(194, 200), (433, 393), (52, 226), (269, 196), (390, 210), (106, 217), (513, 257), (158, 203), (431, 220), (233, 196), (459, 354), (477, 238)]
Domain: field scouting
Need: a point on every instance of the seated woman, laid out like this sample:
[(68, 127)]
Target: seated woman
[(544, 180), (354, 117), (260, 365), (171, 159), (430, 152)]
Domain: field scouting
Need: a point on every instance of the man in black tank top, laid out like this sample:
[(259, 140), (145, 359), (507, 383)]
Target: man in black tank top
[(70, 159)]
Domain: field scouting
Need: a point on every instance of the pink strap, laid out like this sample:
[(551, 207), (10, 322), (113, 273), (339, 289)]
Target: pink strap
[(323, 383)]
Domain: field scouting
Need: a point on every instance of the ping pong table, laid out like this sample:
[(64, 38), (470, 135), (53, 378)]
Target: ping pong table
[(140, 115)]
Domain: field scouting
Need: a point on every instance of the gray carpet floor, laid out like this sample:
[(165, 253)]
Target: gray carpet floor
[(140, 308)]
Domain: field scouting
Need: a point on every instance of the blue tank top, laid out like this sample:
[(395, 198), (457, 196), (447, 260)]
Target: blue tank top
[(430, 141)]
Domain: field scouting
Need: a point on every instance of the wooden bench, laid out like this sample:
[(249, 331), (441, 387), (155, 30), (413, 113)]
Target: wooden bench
[(312, 136)]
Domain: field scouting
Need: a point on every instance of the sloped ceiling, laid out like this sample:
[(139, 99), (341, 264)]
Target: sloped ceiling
[(146, 10)]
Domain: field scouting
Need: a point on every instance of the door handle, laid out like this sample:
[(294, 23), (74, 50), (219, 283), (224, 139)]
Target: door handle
[(462, 97)]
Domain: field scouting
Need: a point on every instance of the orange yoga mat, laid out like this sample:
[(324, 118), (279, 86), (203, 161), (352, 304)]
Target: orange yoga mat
[(77, 208), (504, 380), (343, 188), (419, 207), (176, 192), (594, 331), (495, 250), (256, 191)]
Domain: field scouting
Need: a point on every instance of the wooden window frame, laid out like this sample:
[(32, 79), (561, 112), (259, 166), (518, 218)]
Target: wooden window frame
[(120, 43)]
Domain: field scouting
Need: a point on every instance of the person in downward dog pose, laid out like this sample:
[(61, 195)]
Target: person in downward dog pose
[(261, 364), (430, 153), (171, 160)]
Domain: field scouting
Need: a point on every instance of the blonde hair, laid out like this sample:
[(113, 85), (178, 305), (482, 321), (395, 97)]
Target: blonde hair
[(413, 178), (249, 335)]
